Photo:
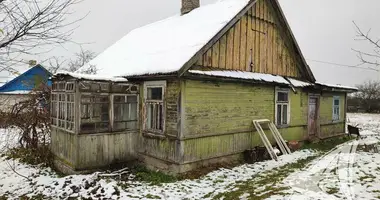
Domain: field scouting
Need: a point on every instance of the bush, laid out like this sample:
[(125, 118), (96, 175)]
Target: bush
[(40, 156)]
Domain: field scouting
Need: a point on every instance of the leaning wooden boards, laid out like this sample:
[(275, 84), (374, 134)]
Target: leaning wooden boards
[(276, 134)]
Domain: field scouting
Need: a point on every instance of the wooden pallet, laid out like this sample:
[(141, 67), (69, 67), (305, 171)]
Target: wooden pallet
[(276, 135)]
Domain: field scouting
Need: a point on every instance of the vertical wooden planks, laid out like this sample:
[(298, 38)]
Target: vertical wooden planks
[(275, 50), (222, 51), (215, 55), (270, 42), (209, 58), (265, 37), (257, 37), (230, 48), (243, 43), (236, 46), (250, 41)]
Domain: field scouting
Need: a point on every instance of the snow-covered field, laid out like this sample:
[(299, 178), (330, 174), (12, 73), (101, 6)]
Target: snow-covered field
[(350, 171)]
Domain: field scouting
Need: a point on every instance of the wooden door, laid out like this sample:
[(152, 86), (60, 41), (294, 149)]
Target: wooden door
[(313, 115)]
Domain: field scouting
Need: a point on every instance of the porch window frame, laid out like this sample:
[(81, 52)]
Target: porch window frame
[(154, 84), (282, 103), (94, 95), (58, 90), (129, 111), (336, 116)]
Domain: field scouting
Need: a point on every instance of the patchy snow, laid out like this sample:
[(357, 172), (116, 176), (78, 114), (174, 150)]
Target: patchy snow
[(17, 92), (298, 83), (337, 86), (349, 171), (47, 183), (92, 77), (8, 139), (165, 46), (244, 75)]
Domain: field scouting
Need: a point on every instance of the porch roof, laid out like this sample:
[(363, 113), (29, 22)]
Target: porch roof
[(91, 77)]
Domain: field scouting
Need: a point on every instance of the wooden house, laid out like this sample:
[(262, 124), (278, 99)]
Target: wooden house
[(189, 87)]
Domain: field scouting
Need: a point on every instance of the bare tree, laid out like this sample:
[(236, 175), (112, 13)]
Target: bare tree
[(27, 26), (368, 57), (368, 96), (81, 58)]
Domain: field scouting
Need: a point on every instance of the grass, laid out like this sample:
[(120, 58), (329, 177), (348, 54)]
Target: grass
[(153, 177), (332, 190), (264, 185), (41, 156), (326, 145)]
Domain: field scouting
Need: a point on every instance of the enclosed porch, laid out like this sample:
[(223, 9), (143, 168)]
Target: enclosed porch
[(104, 132)]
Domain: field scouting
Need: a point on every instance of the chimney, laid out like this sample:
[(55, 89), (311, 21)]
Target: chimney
[(189, 5)]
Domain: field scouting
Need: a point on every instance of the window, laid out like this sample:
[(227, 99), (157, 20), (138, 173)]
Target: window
[(125, 112), (62, 105), (94, 113), (282, 107), (154, 106), (336, 108)]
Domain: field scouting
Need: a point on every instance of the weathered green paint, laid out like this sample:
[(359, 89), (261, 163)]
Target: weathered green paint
[(220, 108), (156, 146), (219, 116)]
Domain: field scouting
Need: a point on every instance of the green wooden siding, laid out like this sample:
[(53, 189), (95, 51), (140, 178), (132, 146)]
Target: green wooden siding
[(218, 117)]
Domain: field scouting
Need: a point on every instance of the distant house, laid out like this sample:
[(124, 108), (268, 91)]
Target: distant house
[(15, 86), (181, 93)]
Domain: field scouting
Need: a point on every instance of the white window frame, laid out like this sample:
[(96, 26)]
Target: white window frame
[(336, 116), (129, 110), (154, 84), (63, 91), (276, 103)]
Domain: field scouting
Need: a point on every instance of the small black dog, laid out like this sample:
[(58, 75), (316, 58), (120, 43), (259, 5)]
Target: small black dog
[(354, 130)]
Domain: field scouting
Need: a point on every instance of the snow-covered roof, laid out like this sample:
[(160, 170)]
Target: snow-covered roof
[(92, 77), (165, 46), (337, 86), (243, 75), (298, 83)]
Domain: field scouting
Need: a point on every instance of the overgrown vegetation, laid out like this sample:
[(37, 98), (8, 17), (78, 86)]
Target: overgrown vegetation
[(141, 173), (39, 156), (31, 118), (327, 144)]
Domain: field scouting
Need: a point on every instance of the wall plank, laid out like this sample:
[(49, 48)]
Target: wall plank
[(230, 48), (236, 46), (243, 43)]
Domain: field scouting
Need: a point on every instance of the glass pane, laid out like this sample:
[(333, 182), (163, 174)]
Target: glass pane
[(133, 111), (132, 99), (278, 114), (121, 112), (119, 99), (336, 102), (150, 116), (282, 96), (155, 93), (285, 114)]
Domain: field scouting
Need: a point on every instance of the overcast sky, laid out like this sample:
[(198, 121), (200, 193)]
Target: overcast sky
[(323, 29)]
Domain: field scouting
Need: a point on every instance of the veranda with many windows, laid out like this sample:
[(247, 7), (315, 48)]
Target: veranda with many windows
[(94, 120)]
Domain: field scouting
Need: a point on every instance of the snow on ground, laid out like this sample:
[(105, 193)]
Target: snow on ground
[(350, 171)]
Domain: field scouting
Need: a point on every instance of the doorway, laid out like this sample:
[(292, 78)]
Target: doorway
[(313, 116)]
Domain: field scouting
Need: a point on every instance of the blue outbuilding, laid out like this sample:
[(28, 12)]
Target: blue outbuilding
[(27, 80)]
